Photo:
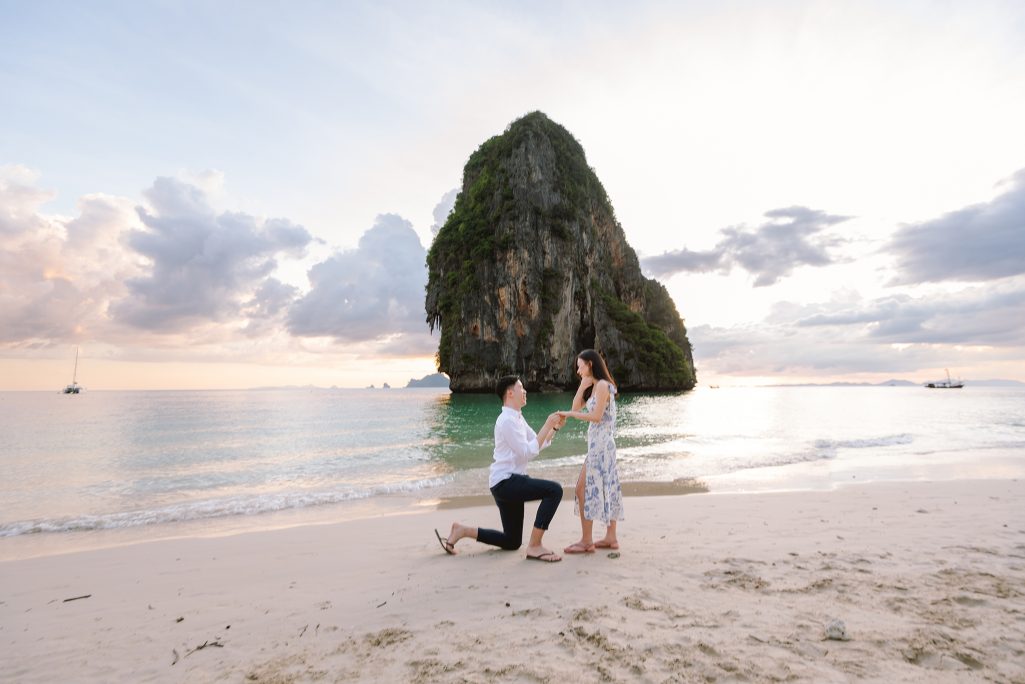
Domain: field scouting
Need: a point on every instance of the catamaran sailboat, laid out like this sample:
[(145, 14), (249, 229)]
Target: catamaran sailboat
[(945, 384), (74, 387)]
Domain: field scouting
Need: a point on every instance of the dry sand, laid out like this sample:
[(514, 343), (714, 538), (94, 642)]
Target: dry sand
[(929, 579)]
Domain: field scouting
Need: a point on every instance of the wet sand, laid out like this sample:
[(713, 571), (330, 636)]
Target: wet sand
[(928, 579), (630, 489)]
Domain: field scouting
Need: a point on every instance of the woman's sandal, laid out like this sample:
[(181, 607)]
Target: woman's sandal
[(577, 547)]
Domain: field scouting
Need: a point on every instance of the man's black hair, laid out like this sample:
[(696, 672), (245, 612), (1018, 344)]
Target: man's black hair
[(504, 383)]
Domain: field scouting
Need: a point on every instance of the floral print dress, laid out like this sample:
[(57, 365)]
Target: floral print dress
[(603, 495)]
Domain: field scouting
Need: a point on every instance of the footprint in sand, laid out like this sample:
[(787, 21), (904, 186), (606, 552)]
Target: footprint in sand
[(387, 637), (968, 601)]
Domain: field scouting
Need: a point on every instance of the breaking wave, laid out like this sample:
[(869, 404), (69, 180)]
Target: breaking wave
[(868, 443), (212, 508)]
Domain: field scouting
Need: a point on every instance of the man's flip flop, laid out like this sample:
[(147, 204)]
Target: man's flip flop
[(549, 557), (445, 543)]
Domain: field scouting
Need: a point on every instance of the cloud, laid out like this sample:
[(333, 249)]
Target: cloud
[(977, 316), (401, 346), (266, 311), (668, 264), (894, 334), (443, 208), (373, 292), (177, 272), (411, 344), (20, 201), (791, 238), (980, 242), (764, 350), (759, 349), (204, 267), (57, 275)]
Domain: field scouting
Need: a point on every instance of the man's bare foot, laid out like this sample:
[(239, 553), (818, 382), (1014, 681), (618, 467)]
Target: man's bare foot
[(607, 544), (540, 553), (580, 547)]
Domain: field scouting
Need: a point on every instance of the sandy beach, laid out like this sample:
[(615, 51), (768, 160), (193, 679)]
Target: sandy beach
[(928, 579)]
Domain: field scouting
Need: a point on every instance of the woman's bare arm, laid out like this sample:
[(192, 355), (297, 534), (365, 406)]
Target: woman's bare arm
[(601, 401)]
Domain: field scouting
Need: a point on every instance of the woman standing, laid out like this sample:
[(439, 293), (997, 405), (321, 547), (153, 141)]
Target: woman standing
[(598, 493)]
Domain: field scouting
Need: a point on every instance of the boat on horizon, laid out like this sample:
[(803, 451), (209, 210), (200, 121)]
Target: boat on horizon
[(74, 387), (946, 384)]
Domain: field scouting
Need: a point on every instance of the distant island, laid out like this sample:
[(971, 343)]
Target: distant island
[(902, 383), (887, 383), (432, 380)]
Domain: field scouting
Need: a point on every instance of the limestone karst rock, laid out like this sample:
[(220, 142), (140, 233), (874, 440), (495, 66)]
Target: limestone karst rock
[(532, 266)]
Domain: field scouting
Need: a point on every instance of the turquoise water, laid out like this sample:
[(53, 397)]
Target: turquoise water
[(117, 460)]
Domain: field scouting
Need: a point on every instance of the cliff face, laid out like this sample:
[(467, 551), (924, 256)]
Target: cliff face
[(532, 267)]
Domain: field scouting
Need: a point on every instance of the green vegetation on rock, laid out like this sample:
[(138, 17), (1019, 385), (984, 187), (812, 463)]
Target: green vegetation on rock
[(650, 347)]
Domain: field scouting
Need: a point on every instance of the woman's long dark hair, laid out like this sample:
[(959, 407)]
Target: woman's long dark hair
[(598, 369)]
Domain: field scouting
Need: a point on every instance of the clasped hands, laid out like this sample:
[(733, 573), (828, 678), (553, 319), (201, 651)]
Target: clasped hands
[(556, 421), (584, 384)]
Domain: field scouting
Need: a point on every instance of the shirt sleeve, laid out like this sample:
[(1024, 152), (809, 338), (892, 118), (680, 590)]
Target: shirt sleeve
[(520, 439)]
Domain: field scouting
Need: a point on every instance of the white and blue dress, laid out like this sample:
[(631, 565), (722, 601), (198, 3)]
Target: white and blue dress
[(603, 495)]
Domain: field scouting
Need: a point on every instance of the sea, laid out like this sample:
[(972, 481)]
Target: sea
[(110, 467)]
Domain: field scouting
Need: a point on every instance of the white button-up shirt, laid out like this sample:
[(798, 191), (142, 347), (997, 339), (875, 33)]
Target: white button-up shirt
[(515, 446)]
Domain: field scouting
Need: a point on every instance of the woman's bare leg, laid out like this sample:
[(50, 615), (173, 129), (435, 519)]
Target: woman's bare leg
[(586, 543), (609, 541)]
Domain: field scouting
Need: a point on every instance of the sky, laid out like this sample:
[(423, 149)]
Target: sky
[(241, 194)]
